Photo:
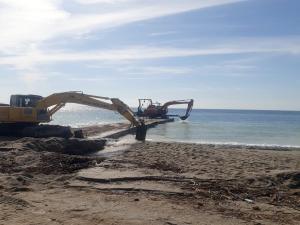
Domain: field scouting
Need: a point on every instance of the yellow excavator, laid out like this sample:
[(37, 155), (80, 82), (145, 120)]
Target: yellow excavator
[(25, 113)]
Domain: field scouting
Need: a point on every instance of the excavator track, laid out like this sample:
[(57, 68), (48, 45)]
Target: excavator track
[(34, 130)]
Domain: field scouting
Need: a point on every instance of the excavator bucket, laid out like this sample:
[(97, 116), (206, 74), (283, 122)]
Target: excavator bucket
[(183, 117), (141, 132), (188, 110)]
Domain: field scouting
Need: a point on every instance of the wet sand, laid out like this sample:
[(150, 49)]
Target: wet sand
[(148, 183)]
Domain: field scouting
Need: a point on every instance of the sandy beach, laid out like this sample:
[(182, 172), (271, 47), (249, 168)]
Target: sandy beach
[(44, 182), (149, 112)]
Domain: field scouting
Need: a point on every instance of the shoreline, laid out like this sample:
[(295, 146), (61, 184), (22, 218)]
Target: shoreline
[(98, 131), (232, 144)]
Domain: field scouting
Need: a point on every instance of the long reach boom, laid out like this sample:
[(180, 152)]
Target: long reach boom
[(58, 100)]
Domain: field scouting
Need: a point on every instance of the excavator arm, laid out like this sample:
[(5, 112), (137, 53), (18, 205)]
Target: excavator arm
[(189, 102), (58, 100)]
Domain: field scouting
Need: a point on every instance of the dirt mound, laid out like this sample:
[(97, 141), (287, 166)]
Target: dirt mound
[(70, 146), (52, 163), (45, 130), (4, 199), (291, 180), (48, 155), (31, 162)]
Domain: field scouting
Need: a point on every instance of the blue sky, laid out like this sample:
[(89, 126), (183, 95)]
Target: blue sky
[(241, 54)]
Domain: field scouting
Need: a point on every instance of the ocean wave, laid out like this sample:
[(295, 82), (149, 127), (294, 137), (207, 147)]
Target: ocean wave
[(160, 139)]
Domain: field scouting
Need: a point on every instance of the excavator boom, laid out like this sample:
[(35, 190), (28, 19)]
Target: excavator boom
[(58, 100)]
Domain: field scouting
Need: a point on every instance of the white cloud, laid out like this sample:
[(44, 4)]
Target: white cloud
[(24, 23), (104, 1), (32, 77), (34, 21), (155, 34), (158, 70), (27, 25), (241, 46), (95, 79)]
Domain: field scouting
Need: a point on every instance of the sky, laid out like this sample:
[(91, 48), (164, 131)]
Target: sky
[(225, 54)]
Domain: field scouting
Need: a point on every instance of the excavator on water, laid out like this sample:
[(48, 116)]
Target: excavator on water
[(25, 114), (157, 110)]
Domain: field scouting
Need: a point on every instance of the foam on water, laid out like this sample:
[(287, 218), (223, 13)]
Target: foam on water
[(115, 146)]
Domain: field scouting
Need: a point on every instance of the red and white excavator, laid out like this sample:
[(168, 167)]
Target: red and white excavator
[(157, 110)]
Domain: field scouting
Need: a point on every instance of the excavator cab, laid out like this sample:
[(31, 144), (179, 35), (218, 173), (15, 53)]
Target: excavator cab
[(29, 102), (24, 100), (143, 105)]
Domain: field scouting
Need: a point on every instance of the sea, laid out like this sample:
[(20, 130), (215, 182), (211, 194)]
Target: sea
[(207, 126)]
